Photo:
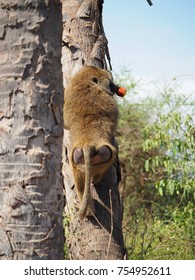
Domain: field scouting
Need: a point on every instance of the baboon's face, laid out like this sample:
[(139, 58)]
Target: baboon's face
[(99, 78), (104, 80)]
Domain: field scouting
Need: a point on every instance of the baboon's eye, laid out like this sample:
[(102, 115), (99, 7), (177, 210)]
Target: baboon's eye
[(95, 80)]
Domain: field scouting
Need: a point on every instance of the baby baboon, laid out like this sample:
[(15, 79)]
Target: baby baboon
[(90, 113)]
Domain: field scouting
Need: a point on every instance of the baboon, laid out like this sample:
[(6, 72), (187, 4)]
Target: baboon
[(90, 114)]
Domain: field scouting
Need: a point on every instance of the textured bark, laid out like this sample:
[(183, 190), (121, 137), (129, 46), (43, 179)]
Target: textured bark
[(98, 237), (31, 130)]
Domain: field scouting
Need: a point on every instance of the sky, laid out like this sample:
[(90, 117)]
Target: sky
[(156, 42)]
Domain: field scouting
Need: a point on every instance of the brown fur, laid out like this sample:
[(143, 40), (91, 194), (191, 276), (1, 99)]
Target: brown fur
[(90, 113)]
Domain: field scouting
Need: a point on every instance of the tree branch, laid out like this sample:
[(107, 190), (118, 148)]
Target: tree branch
[(149, 2)]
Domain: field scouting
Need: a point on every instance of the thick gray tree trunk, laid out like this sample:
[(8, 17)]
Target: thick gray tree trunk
[(98, 237), (31, 130)]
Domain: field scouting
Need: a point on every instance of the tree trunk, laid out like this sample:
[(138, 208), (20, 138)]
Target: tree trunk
[(98, 237), (31, 130)]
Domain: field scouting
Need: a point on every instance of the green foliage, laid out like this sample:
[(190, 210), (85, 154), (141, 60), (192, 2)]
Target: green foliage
[(66, 224), (157, 151), (174, 136), (152, 238)]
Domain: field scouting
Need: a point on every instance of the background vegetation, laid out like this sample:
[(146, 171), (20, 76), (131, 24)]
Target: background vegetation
[(156, 138)]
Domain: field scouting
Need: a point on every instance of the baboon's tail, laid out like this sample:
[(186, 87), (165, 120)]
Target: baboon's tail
[(87, 151), (101, 159)]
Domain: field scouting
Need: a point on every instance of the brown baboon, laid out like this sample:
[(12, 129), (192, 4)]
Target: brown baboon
[(90, 113)]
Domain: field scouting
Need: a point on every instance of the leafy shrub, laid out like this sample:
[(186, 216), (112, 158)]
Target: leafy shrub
[(157, 152)]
